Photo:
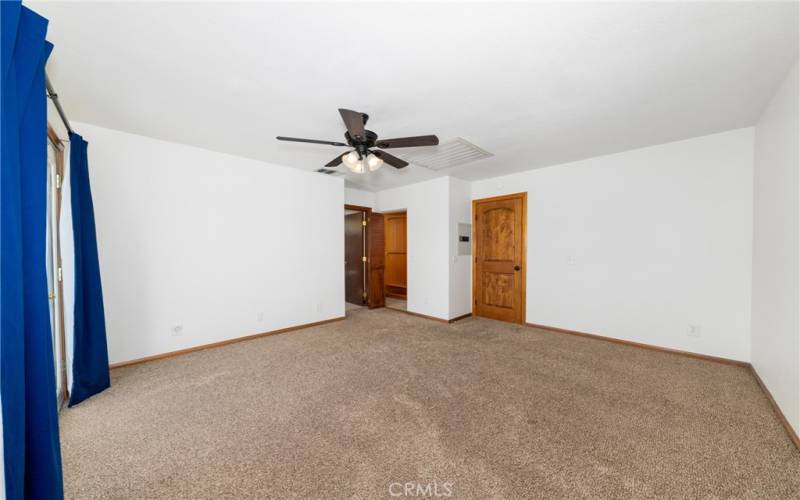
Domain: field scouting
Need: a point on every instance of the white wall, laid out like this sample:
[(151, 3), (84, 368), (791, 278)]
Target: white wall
[(776, 249), (460, 208), (359, 197), (428, 225), (639, 245), (223, 246)]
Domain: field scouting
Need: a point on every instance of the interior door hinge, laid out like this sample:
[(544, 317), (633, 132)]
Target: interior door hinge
[(58, 181), (363, 223), (59, 274), (363, 259)]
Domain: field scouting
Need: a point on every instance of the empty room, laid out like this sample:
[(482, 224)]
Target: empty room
[(399, 250)]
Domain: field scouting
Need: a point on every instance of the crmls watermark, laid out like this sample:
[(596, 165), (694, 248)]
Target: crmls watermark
[(417, 489)]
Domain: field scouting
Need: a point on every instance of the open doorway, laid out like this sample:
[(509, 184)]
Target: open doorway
[(364, 255), (396, 273), (355, 251)]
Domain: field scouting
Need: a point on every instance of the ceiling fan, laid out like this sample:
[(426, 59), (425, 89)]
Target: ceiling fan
[(363, 156)]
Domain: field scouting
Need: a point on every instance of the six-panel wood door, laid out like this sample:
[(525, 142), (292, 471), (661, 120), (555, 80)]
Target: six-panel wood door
[(395, 274), (498, 283)]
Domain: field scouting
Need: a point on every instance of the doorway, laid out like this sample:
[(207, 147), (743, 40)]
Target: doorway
[(396, 279), (55, 287), (499, 251), (363, 258), (355, 250)]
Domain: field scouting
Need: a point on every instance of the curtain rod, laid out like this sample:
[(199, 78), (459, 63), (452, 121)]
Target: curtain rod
[(54, 97)]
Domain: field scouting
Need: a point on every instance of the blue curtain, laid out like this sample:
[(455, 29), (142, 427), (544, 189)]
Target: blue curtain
[(32, 458), (90, 353)]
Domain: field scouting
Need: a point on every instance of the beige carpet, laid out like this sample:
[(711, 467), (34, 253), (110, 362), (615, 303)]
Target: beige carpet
[(393, 303), (349, 409)]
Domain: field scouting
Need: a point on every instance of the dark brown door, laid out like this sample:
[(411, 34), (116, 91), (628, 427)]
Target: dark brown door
[(353, 258), (498, 283), (375, 255), (395, 274)]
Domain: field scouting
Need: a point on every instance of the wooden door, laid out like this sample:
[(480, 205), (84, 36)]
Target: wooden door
[(498, 282), (395, 273), (354, 275), (375, 256)]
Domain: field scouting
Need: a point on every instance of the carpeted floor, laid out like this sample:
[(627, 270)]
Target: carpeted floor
[(479, 408), (399, 304)]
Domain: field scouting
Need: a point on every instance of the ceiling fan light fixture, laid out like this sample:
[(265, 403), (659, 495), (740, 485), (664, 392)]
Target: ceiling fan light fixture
[(357, 168), (351, 157), (352, 161), (361, 159), (374, 163)]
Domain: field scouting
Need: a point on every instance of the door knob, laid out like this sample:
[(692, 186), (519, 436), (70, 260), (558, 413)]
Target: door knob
[(516, 268)]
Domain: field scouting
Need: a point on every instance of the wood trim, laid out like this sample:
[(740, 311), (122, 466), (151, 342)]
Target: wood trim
[(523, 260), (458, 318), (59, 146), (641, 345), (777, 409), (432, 318), (222, 343), (347, 206), (54, 138), (419, 315)]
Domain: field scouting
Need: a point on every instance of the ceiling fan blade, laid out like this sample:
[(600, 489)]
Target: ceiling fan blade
[(335, 162), (390, 159), (354, 121), (312, 141), (408, 142)]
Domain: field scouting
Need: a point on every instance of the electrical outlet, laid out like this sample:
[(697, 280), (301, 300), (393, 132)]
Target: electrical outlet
[(177, 330), (693, 331)]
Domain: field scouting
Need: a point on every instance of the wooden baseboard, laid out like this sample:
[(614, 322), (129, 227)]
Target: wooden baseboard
[(714, 359), (424, 316), (458, 318), (786, 425), (641, 345), (220, 344), (432, 318)]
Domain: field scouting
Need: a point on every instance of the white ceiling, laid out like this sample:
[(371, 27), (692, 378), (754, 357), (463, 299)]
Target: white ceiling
[(535, 84)]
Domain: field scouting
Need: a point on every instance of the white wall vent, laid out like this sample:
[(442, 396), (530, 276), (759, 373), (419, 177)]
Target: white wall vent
[(446, 155)]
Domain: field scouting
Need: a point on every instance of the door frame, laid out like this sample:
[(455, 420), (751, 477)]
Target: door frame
[(58, 297), (523, 260), (386, 289)]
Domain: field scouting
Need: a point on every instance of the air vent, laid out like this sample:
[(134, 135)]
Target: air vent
[(446, 155), (328, 171)]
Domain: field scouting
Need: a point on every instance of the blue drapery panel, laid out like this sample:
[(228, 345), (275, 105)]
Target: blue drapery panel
[(90, 352), (32, 458)]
